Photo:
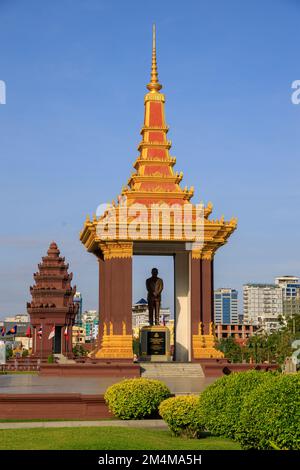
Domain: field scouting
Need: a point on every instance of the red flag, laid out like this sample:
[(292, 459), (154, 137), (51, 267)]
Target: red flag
[(52, 333), (28, 332)]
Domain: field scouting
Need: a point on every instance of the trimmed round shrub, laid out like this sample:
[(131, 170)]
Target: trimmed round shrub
[(220, 404), (136, 398), (182, 415), (270, 416)]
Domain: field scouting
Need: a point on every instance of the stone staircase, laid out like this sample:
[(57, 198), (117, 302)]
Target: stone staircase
[(167, 369)]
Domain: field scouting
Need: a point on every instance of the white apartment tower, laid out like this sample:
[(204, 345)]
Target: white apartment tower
[(263, 305)]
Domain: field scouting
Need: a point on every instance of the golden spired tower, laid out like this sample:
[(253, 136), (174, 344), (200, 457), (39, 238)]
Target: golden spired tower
[(139, 229)]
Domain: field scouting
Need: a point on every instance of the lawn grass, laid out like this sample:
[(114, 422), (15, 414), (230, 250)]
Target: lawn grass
[(106, 438), (49, 420), (19, 372)]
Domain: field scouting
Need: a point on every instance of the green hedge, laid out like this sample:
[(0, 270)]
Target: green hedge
[(270, 417), (50, 359), (182, 415), (220, 404), (136, 398)]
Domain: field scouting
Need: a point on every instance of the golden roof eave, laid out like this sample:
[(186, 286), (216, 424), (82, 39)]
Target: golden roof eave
[(216, 234), (154, 179), (171, 161), (157, 195)]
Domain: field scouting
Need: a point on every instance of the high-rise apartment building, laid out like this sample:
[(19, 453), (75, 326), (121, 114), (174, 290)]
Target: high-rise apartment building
[(226, 307), (290, 286), (263, 305), (78, 301)]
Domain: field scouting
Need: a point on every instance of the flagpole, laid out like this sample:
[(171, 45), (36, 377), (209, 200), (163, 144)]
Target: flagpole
[(42, 346)]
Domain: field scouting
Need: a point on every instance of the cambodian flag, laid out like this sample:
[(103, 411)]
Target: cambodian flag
[(12, 331), (3, 330)]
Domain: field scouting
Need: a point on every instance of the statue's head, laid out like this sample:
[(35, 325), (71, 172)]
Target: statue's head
[(154, 272)]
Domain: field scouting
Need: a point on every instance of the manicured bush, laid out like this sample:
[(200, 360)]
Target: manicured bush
[(50, 359), (136, 398), (270, 416), (220, 403), (182, 415)]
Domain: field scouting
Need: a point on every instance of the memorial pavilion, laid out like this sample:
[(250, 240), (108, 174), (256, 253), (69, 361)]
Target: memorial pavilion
[(153, 215)]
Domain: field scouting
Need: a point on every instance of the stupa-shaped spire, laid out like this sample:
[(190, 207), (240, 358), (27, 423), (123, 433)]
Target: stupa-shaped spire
[(154, 84), (154, 178)]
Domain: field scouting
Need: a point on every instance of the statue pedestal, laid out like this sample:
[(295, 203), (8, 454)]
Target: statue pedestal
[(155, 343)]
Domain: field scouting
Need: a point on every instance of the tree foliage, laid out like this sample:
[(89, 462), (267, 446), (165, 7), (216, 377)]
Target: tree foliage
[(274, 347)]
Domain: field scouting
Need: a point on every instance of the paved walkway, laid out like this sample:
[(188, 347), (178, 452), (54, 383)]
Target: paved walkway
[(26, 383), (143, 423)]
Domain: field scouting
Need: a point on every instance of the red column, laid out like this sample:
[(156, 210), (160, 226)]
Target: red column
[(115, 294), (47, 343), (121, 294), (104, 294), (207, 294), (70, 339), (196, 291), (63, 341), (33, 339)]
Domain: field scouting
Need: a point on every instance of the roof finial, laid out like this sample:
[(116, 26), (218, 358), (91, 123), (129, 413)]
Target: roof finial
[(154, 85)]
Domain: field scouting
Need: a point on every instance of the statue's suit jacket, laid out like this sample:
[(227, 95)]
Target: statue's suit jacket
[(154, 288)]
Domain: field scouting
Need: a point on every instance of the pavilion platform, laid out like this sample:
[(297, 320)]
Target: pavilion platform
[(92, 369), (76, 391), (28, 396)]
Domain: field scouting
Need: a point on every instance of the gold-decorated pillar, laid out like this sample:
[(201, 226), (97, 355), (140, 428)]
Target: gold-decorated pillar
[(115, 301), (207, 288), (202, 307)]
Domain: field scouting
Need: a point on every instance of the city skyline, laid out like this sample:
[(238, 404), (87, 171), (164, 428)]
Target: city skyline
[(137, 298), (58, 129)]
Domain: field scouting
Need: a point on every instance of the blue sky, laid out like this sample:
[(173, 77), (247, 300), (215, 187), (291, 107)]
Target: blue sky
[(76, 72)]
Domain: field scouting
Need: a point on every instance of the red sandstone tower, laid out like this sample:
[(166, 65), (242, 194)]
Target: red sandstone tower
[(52, 306)]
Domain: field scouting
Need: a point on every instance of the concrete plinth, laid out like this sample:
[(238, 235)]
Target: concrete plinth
[(155, 343)]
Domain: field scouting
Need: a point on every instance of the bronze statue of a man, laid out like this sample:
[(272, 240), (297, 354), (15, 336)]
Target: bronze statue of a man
[(154, 286)]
